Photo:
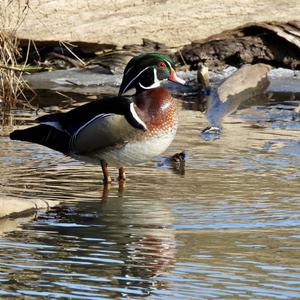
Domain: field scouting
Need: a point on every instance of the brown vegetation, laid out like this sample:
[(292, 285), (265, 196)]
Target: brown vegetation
[(12, 84)]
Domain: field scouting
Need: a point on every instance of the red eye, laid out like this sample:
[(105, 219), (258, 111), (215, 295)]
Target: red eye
[(161, 65)]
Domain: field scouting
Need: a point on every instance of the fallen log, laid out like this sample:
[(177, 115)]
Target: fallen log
[(273, 43)]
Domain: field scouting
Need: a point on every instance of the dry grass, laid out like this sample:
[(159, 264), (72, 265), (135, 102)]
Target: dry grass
[(12, 84)]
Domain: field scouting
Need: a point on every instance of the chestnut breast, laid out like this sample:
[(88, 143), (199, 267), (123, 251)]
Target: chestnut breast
[(157, 109)]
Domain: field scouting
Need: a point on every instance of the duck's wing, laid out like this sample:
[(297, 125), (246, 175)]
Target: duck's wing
[(86, 128), (79, 117), (101, 124), (105, 130)]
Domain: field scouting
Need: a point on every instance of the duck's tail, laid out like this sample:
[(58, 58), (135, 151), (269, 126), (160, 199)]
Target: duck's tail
[(44, 135)]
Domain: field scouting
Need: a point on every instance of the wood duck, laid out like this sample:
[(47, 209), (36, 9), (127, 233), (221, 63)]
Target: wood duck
[(120, 130)]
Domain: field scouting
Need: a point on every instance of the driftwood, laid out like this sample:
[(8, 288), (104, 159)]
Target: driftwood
[(247, 82), (277, 44)]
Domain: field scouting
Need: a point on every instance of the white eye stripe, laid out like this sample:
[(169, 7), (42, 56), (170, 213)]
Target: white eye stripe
[(128, 70), (168, 64), (125, 89)]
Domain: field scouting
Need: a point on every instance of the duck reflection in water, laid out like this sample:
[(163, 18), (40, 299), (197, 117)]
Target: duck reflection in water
[(129, 249)]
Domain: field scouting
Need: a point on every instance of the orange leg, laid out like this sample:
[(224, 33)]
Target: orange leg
[(105, 192), (122, 176), (122, 179), (107, 178)]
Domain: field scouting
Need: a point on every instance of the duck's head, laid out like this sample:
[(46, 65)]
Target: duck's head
[(147, 71)]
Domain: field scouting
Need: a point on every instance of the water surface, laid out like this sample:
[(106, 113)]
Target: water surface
[(225, 227)]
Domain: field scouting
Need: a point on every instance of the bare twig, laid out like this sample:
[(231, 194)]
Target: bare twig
[(79, 59), (72, 61)]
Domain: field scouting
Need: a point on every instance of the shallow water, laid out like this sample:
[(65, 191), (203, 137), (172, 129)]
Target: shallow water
[(227, 226)]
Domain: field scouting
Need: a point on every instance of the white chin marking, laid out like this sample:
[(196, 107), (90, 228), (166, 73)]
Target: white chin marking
[(155, 84), (152, 86)]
